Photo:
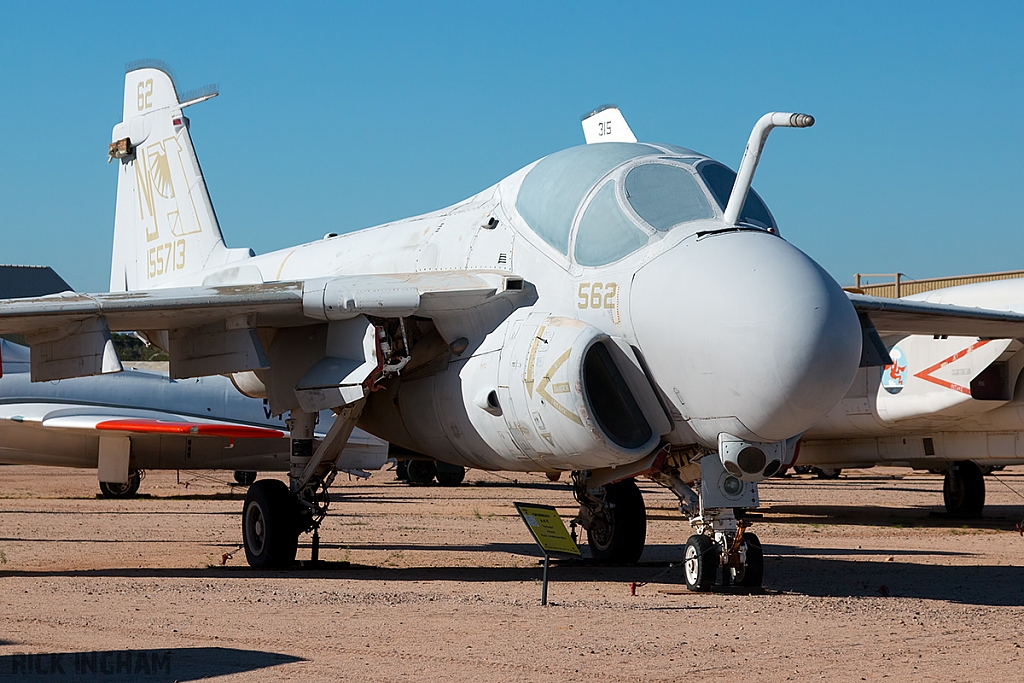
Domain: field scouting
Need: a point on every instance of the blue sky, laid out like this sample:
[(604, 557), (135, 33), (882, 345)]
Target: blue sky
[(337, 116)]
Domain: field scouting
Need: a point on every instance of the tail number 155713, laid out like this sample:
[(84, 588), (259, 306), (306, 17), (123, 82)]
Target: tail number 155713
[(166, 257)]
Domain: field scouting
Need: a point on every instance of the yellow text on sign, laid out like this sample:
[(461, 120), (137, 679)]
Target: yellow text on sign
[(548, 529)]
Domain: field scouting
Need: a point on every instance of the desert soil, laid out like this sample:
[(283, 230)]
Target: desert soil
[(865, 580)]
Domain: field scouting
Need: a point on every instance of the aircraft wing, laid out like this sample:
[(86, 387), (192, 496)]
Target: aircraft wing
[(212, 329), (81, 418), (899, 316), (272, 304)]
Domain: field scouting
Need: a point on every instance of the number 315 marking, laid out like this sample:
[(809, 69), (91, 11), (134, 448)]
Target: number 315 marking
[(597, 295)]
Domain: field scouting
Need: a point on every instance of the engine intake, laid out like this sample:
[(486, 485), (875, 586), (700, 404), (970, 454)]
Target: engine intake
[(580, 395)]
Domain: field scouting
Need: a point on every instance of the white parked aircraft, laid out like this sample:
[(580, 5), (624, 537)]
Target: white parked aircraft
[(130, 422), (614, 310), (944, 403)]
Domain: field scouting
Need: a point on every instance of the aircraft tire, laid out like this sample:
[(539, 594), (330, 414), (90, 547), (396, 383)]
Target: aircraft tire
[(421, 471), (752, 575), (963, 489), (450, 475), (621, 539), (827, 473), (270, 525), (700, 563), (245, 477), (127, 490)]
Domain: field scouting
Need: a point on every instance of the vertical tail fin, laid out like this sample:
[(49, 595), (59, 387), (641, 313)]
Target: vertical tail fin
[(164, 223)]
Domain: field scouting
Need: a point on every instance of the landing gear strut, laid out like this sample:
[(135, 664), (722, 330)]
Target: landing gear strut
[(275, 514), (615, 519), (963, 490)]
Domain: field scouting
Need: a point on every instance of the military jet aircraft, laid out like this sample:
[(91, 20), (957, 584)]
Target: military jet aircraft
[(952, 403), (614, 310), (134, 421)]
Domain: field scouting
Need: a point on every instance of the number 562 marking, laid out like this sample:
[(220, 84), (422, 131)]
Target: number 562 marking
[(597, 295)]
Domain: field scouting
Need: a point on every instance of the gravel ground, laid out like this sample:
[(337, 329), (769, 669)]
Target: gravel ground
[(864, 580)]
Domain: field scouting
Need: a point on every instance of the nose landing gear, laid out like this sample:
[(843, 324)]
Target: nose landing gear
[(727, 545), (722, 541)]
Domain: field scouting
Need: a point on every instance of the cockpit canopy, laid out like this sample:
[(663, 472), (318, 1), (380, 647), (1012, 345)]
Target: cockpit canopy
[(611, 199)]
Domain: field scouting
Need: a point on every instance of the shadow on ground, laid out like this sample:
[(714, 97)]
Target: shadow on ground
[(834, 577), (157, 666), (813, 572), (995, 516)]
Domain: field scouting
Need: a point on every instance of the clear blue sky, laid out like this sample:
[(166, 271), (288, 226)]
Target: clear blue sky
[(337, 116)]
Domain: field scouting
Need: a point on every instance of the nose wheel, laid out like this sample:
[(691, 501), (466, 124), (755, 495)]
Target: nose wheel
[(739, 556), (700, 562)]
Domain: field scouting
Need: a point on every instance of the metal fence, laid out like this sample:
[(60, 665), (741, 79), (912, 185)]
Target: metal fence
[(899, 285)]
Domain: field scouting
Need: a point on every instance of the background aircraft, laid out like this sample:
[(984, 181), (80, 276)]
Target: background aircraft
[(614, 310), (944, 403), (148, 422)]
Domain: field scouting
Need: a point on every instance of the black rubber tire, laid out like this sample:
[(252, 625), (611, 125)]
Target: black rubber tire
[(622, 540), (700, 562), (450, 475), (245, 477), (402, 470), (421, 471), (128, 490), (752, 575), (827, 474), (963, 490), (270, 525)]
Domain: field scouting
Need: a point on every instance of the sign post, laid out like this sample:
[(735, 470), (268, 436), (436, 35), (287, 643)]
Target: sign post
[(549, 532)]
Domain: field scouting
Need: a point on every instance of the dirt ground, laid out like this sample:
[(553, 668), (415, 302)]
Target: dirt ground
[(864, 580)]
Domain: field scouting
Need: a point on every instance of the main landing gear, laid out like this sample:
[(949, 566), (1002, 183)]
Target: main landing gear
[(275, 513), (129, 489), (963, 489), (424, 472), (615, 519)]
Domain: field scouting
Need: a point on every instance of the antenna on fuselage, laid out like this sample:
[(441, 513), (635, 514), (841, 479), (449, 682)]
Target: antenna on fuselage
[(752, 155)]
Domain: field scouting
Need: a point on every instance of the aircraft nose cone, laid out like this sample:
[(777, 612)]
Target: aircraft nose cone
[(745, 334)]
